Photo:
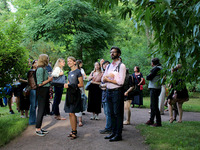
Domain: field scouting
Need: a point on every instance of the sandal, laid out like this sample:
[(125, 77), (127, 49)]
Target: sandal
[(171, 120), (73, 134), (59, 118)]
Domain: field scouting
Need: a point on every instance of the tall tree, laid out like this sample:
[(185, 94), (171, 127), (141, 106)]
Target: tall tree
[(175, 26), (74, 24)]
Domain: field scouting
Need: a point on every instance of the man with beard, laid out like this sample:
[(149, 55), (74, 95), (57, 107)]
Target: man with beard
[(115, 96)]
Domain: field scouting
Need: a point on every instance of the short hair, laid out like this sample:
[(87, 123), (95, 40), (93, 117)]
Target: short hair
[(117, 48), (155, 61), (138, 68), (43, 60), (72, 58)]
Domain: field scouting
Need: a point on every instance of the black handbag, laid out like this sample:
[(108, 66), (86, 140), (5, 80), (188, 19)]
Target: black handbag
[(59, 81)]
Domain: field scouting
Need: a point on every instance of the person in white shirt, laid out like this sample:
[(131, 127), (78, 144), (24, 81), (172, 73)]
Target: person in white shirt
[(58, 71), (115, 93)]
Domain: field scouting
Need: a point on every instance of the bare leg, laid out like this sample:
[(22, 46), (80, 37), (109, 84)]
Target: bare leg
[(17, 102), (10, 103), (127, 111), (26, 113), (180, 111), (73, 121), (80, 121), (170, 112)]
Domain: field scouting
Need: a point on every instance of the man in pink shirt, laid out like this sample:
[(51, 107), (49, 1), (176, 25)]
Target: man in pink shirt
[(114, 77)]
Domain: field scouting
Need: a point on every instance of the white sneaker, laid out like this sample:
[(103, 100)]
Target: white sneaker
[(92, 118), (96, 118)]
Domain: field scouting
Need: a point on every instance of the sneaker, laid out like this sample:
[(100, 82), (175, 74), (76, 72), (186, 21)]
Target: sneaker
[(11, 112), (156, 125), (149, 122), (40, 133), (22, 116), (92, 118), (44, 131), (105, 131), (96, 118)]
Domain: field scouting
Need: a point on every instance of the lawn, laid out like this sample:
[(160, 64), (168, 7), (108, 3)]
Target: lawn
[(10, 125), (193, 105), (176, 136)]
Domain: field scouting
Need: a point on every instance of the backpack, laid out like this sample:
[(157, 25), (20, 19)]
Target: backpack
[(128, 82), (32, 81)]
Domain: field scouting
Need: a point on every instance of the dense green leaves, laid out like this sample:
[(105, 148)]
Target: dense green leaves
[(73, 24), (175, 27), (13, 57)]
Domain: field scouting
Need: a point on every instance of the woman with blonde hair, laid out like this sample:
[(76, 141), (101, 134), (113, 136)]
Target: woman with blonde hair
[(42, 92), (95, 93), (58, 89), (73, 102)]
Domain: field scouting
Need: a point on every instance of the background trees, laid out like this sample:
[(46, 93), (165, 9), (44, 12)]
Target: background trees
[(87, 29), (13, 56)]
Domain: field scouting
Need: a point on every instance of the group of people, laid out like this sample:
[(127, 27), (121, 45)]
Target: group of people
[(111, 86)]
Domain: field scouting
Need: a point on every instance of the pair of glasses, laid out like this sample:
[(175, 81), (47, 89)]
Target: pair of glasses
[(112, 52)]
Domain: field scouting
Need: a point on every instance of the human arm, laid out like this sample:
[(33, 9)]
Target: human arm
[(119, 80), (57, 72), (129, 90), (40, 77), (90, 76), (153, 73)]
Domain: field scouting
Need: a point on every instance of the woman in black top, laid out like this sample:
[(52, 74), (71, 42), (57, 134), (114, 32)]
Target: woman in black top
[(73, 103)]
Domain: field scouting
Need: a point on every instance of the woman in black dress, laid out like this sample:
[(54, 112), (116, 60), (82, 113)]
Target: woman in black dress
[(73, 103), (138, 79)]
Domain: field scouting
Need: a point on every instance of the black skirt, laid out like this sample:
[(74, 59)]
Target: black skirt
[(94, 99)]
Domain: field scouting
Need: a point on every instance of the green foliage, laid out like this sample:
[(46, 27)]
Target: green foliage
[(72, 24), (13, 56), (172, 136), (175, 29)]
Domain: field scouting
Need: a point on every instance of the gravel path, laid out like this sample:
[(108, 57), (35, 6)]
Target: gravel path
[(88, 135)]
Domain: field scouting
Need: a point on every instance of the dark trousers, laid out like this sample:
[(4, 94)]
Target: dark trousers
[(154, 95), (57, 99), (116, 110), (43, 101)]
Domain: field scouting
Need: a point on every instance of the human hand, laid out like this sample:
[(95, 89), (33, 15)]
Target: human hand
[(66, 85), (126, 94), (61, 73)]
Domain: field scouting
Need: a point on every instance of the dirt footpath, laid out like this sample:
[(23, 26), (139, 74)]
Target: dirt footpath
[(88, 135)]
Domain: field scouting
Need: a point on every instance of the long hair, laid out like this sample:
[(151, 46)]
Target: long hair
[(78, 62), (99, 67), (57, 64), (43, 60)]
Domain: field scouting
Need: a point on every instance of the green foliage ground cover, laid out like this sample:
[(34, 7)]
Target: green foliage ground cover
[(175, 136), (10, 125)]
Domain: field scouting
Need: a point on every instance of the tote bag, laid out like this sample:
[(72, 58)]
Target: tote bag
[(59, 81)]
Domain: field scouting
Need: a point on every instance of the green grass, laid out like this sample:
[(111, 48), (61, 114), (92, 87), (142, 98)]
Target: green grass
[(176, 136), (10, 125), (193, 105)]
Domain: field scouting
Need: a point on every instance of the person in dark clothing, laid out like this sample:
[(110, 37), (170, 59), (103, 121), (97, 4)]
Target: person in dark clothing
[(43, 84), (178, 95), (73, 103), (155, 89)]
